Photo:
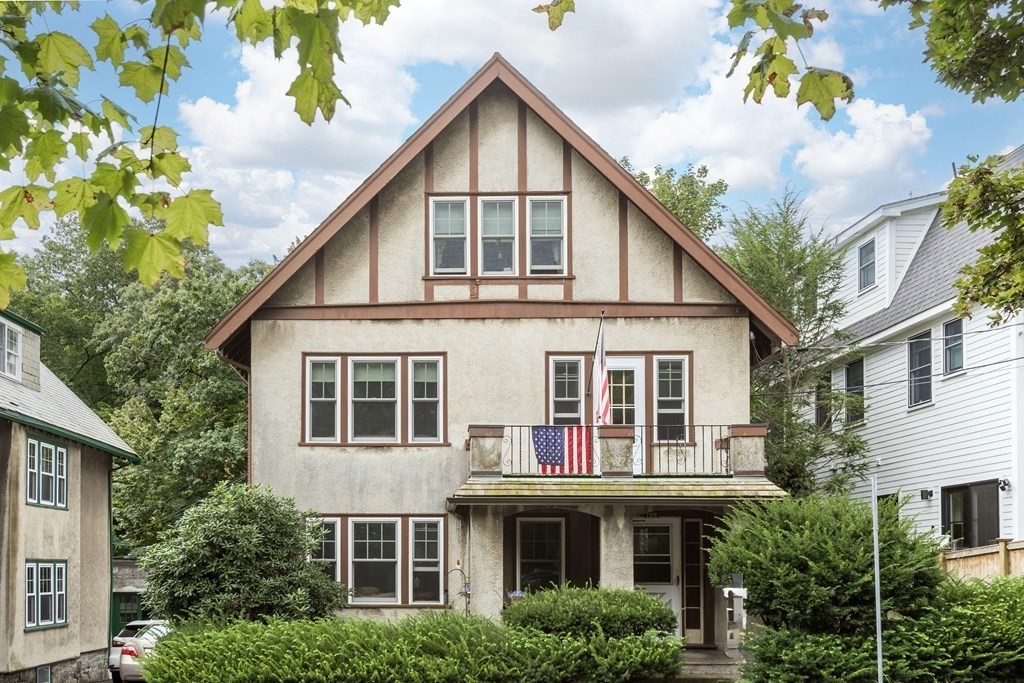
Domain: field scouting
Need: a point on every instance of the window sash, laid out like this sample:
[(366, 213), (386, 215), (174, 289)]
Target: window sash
[(62, 478), (566, 378), (426, 548), (32, 475), (854, 386), (379, 400), (866, 264), (368, 546), (498, 228), (322, 399), (448, 239), (541, 569), (544, 238), (60, 593), (31, 617), (45, 594), (47, 478), (953, 346), (671, 399), (919, 369), (425, 392), (327, 551), (10, 351)]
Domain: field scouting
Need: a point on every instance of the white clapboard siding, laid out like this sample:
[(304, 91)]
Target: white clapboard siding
[(873, 299), (908, 230)]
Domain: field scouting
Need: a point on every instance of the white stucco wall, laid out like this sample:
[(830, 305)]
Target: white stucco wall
[(595, 209), (451, 156), (401, 235), (298, 291), (499, 139), (543, 156), (347, 263), (650, 259)]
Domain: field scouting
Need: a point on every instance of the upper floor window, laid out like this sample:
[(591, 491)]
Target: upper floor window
[(46, 601), (10, 351), (970, 514), (919, 368), (855, 391), (322, 415), (498, 236), (449, 236), (425, 420), (953, 346), (47, 473), (566, 391), (547, 236), (670, 413), (866, 264), (373, 405)]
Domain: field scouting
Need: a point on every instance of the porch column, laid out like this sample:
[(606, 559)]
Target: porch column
[(616, 548), (485, 566)]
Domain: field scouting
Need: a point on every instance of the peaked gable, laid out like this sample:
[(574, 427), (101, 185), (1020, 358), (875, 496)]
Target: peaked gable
[(231, 331)]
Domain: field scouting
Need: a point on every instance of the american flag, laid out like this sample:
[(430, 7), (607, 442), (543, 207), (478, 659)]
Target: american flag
[(563, 450), (602, 400)]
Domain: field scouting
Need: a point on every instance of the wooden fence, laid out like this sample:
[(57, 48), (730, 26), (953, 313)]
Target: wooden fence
[(1002, 559)]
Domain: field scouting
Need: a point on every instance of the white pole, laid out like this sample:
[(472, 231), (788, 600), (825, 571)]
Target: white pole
[(878, 581)]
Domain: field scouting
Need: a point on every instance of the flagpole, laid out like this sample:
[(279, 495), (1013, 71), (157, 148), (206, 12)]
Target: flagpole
[(877, 559), (597, 342)]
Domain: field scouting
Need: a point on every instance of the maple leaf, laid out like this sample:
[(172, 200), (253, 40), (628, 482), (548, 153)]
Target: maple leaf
[(556, 11), (152, 254)]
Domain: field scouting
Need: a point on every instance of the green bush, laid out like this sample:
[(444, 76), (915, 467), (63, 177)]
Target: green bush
[(807, 563), (437, 648), (581, 611)]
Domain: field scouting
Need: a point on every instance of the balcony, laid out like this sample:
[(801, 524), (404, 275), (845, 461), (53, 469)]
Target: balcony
[(617, 452)]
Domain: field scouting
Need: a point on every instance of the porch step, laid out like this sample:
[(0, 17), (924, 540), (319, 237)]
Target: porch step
[(710, 665)]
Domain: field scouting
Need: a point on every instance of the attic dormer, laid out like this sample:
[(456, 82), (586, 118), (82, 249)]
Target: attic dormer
[(19, 350)]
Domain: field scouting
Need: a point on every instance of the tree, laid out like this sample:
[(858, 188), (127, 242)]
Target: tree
[(239, 553), (688, 195), (798, 271), (44, 118)]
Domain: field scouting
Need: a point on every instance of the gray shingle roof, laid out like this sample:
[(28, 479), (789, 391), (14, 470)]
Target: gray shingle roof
[(56, 408)]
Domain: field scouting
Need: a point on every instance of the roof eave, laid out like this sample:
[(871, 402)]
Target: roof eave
[(109, 449)]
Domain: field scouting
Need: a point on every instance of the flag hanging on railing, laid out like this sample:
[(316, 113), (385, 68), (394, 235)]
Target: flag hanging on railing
[(602, 398), (563, 450)]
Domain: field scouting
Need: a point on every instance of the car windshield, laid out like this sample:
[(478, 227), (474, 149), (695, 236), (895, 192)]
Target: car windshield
[(152, 632), (130, 630)]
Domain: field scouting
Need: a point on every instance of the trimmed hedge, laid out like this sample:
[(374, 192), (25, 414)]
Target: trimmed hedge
[(436, 648), (582, 611)]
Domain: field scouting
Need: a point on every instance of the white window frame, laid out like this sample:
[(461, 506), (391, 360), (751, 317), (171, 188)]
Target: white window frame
[(336, 523), (946, 345), (861, 264), (552, 360), (434, 270), (32, 468), (352, 521), (480, 235), (58, 593), (686, 396), (5, 328), (925, 336), (40, 566), (519, 546), (529, 236), (440, 559), (410, 389), (50, 490), (309, 399), (350, 397), (62, 478), (31, 595)]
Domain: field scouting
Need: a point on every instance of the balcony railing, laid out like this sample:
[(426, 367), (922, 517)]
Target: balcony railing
[(641, 450)]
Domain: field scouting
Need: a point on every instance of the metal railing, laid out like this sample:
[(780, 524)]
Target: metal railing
[(637, 450)]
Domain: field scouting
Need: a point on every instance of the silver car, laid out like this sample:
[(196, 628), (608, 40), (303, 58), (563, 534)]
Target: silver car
[(129, 631), (134, 649)]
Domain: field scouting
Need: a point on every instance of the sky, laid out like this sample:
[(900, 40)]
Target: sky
[(645, 80)]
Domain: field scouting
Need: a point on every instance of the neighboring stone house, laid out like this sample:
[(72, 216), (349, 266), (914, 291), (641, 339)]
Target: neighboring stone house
[(56, 460), (943, 395), (400, 356)]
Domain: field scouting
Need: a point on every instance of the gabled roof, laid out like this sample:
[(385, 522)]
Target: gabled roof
[(58, 410), (768, 320), (890, 210)]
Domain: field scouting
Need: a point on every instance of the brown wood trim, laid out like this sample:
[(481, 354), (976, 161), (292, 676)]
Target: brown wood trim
[(498, 279), (677, 273), (474, 147), (496, 308), (405, 566), (567, 293), (623, 247), (566, 166), (428, 187), (318, 277), (615, 432), (305, 398), (502, 193), (373, 444), (649, 389), (374, 249), (474, 237), (748, 430), (404, 412), (428, 168), (521, 146), (342, 548), (521, 229), (486, 430), (343, 397), (521, 180), (248, 427)]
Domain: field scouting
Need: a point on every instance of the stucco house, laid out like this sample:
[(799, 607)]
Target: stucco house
[(402, 360), (943, 395), (56, 462)]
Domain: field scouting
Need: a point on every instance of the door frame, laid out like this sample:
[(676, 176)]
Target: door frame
[(638, 364), (673, 589)]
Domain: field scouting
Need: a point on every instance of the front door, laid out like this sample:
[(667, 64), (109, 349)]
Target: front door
[(656, 562), (693, 580), (626, 394)]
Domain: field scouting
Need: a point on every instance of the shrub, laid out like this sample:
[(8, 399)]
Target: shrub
[(437, 648), (580, 611), (239, 553), (807, 563)]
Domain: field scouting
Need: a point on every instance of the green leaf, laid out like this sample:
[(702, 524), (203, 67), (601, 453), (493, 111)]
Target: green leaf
[(252, 22), (743, 11), (172, 15), (12, 277), (188, 217), (318, 41), (13, 126), (144, 78), (82, 144), (56, 105), (305, 6), (73, 194), (112, 41), (113, 180), (785, 26), (137, 36), (309, 93), (175, 59), (741, 52), (116, 113), (60, 53), (152, 254), (44, 152), (822, 87), (22, 201), (374, 10), (10, 91), (169, 165), (779, 71), (152, 204), (104, 221), (556, 11), (163, 140)]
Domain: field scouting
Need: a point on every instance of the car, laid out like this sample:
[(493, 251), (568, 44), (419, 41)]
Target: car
[(129, 631), (134, 649)]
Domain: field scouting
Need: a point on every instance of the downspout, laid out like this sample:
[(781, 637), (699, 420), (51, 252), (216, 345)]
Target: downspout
[(110, 553)]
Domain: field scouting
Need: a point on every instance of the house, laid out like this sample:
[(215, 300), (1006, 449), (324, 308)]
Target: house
[(943, 394), (400, 356), (56, 462)]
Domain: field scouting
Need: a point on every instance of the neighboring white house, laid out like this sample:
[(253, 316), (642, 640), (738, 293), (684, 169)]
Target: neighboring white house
[(943, 395)]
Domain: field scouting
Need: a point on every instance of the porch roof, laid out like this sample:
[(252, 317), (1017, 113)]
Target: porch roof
[(575, 490)]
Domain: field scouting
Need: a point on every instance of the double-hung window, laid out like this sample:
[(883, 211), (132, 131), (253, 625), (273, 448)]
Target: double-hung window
[(547, 236), (566, 391), (425, 399), (449, 235), (375, 555), (855, 391), (919, 368), (541, 557), (46, 481), (970, 514), (10, 351), (46, 600), (866, 265), (322, 414), (498, 236), (325, 554), (373, 407), (670, 411), (953, 346), (426, 568)]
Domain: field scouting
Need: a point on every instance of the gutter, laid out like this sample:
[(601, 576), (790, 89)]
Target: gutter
[(73, 436)]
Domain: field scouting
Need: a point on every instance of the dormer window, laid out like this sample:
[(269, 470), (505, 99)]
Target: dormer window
[(10, 351), (498, 236), (866, 264), (448, 228)]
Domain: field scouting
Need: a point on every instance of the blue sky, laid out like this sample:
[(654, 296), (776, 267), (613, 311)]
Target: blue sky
[(648, 83)]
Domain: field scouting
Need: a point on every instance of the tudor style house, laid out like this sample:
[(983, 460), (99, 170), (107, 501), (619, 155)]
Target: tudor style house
[(403, 357), (56, 460), (943, 394)]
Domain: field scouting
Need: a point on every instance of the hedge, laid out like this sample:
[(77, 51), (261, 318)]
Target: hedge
[(579, 611)]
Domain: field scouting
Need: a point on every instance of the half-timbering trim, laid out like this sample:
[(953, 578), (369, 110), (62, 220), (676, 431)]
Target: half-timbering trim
[(623, 247)]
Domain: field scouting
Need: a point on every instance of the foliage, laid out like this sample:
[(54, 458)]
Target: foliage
[(45, 119), (438, 647), (689, 195), (579, 611), (798, 271), (239, 553), (807, 563)]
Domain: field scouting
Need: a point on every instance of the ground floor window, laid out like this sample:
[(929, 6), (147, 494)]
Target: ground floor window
[(46, 602), (373, 569), (426, 560), (325, 554), (970, 514), (540, 559)]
